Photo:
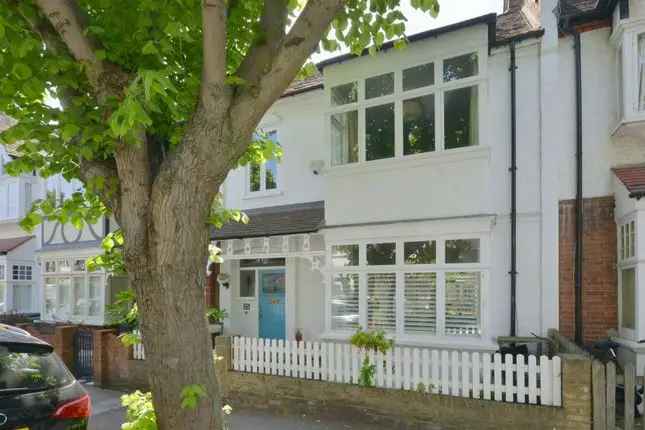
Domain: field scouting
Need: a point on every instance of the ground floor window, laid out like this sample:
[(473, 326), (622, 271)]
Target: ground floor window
[(410, 288), (628, 298), (22, 297), (71, 292)]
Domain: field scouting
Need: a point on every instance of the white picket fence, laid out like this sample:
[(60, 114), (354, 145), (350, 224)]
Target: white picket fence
[(138, 353), (464, 374)]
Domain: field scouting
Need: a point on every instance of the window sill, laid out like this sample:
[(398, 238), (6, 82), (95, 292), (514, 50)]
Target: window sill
[(410, 161), (438, 342), (262, 194)]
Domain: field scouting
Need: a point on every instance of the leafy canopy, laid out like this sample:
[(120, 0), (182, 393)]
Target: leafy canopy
[(158, 45)]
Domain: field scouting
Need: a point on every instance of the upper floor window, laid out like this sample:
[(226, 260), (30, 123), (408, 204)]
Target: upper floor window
[(21, 272), (425, 108), (60, 189), (2, 275), (263, 177)]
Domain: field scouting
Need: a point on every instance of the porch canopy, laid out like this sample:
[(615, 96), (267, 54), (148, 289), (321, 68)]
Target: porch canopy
[(275, 231), (8, 245)]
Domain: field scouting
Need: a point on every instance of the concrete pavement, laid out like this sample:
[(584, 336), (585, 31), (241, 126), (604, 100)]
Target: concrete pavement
[(107, 414)]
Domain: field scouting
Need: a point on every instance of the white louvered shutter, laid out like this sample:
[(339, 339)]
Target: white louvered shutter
[(381, 301), (420, 303), (344, 302), (463, 297)]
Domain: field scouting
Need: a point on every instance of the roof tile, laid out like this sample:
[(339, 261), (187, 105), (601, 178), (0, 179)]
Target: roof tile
[(8, 245), (633, 177), (275, 220)]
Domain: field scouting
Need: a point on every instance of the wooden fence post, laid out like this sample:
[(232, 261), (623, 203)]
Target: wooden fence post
[(598, 396), (630, 386), (611, 395)]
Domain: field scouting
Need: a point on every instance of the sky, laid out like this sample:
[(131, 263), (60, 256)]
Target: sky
[(451, 11)]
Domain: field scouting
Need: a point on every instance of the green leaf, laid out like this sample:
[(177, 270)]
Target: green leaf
[(69, 131), (191, 395), (21, 71), (149, 48)]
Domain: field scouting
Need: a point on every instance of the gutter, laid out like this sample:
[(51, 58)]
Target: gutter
[(513, 170)]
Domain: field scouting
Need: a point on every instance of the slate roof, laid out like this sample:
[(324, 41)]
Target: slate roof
[(516, 22), (578, 7), (314, 82), (8, 245), (275, 220), (633, 177)]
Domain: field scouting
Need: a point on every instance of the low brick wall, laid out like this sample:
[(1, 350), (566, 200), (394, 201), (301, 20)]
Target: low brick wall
[(112, 362), (407, 409)]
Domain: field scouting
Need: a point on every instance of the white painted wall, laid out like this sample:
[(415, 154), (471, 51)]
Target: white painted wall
[(298, 121)]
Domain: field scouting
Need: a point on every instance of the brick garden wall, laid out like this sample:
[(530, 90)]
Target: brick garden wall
[(600, 297), (112, 362), (398, 409)]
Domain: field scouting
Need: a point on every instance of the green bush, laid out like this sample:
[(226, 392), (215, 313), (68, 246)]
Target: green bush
[(370, 341)]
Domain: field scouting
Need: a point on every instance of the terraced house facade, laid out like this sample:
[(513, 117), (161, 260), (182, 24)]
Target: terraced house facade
[(485, 181)]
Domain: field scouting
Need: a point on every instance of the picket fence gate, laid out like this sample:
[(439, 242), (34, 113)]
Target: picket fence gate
[(465, 374), (609, 414)]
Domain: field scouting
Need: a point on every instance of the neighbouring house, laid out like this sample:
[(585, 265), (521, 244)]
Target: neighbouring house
[(485, 181), (19, 273), (45, 273)]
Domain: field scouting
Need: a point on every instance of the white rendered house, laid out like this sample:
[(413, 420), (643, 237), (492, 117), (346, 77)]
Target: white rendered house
[(440, 192)]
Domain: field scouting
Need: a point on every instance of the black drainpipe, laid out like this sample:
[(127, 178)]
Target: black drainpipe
[(513, 170), (579, 203)]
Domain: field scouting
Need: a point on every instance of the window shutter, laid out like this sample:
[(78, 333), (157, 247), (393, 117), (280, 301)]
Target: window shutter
[(344, 302), (463, 303), (420, 303), (381, 301)]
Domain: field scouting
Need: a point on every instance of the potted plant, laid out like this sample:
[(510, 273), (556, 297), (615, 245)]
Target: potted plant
[(215, 320)]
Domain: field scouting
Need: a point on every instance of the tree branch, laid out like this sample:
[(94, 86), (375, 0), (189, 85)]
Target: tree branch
[(272, 32), (214, 31), (66, 20), (110, 195), (251, 103)]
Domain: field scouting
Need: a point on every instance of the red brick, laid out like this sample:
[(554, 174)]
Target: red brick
[(599, 280)]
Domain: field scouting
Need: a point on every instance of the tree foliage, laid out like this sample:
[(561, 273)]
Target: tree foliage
[(149, 104)]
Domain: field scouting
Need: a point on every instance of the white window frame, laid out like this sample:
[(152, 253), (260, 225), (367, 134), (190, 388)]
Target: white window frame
[(438, 89), (70, 274), (25, 272), (627, 260), (400, 268), (263, 192), (625, 39)]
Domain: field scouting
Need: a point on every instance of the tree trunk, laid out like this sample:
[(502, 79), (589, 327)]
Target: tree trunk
[(167, 270)]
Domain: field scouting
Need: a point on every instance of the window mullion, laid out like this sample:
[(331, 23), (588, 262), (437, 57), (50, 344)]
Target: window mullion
[(441, 303), (263, 176), (400, 302), (439, 122), (362, 299)]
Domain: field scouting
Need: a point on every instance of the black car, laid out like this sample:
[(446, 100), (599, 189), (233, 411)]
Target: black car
[(37, 392)]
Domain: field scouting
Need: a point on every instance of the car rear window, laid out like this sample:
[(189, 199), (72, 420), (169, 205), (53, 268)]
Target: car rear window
[(31, 368)]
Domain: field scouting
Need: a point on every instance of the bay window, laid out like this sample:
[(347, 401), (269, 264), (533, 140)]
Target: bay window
[(406, 112), (71, 292), (406, 288), (627, 277)]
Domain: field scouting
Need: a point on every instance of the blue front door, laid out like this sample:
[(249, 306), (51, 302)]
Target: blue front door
[(271, 282)]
